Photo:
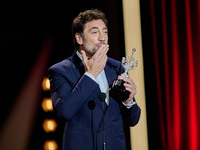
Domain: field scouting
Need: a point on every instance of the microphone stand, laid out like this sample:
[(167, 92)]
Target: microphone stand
[(104, 140), (102, 97), (91, 106)]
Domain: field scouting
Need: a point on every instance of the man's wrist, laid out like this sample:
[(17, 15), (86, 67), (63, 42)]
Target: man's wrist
[(128, 102), (129, 105), (91, 76)]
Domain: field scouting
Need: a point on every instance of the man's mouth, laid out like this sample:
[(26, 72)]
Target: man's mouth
[(99, 45)]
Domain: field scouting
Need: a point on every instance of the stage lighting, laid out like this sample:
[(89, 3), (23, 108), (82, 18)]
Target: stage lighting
[(49, 125), (47, 104), (50, 145), (46, 84)]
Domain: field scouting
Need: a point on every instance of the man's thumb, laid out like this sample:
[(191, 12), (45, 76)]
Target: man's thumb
[(83, 55)]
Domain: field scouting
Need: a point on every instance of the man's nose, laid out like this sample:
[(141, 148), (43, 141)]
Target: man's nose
[(101, 36)]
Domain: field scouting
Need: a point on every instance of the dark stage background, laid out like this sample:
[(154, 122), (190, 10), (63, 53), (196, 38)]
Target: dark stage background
[(26, 27), (170, 34)]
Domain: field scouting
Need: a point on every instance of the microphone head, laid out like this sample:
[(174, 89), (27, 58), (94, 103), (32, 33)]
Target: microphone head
[(91, 104), (102, 96)]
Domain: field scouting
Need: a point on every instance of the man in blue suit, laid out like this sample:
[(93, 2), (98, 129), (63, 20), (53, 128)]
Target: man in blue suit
[(77, 82)]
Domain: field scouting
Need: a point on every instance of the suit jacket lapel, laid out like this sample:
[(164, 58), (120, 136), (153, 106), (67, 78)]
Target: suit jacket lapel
[(77, 64), (110, 74)]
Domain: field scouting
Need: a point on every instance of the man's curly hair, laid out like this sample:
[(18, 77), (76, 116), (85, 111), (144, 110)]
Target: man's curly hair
[(78, 24)]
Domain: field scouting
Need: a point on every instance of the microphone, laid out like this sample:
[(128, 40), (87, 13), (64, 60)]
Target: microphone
[(102, 97), (91, 106)]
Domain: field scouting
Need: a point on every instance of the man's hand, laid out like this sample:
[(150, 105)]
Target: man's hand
[(97, 62), (131, 87)]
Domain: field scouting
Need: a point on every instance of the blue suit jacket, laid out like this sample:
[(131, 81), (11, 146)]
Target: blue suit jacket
[(71, 91)]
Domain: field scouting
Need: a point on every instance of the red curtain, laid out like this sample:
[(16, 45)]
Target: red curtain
[(175, 27)]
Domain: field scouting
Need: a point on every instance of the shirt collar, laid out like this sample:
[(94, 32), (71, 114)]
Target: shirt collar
[(79, 55)]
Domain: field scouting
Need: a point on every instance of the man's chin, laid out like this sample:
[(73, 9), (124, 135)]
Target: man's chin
[(95, 50)]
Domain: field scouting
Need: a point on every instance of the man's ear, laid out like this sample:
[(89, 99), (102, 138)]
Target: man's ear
[(79, 39)]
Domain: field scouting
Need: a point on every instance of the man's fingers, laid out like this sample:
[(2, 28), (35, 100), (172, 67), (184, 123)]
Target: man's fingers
[(131, 88), (129, 80), (99, 51), (102, 51), (103, 54), (105, 50), (129, 84)]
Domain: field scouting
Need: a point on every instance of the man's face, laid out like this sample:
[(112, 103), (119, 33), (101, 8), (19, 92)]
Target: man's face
[(94, 36)]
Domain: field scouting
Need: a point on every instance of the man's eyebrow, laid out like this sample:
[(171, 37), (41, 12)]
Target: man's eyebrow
[(105, 28), (93, 28)]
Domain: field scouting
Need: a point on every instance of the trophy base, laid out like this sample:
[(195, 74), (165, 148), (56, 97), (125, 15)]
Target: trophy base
[(118, 91)]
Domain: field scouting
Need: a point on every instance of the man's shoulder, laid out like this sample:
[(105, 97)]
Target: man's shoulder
[(62, 65), (112, 62), (115, 65)]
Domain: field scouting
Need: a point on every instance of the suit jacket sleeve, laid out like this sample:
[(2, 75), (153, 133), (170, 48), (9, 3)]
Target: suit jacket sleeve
[(68, 97), (130, 116)]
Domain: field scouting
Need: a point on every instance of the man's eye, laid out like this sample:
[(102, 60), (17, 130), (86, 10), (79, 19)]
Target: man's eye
[(94, 32)]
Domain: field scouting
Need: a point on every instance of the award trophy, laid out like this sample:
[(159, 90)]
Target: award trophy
[(117, 91)]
